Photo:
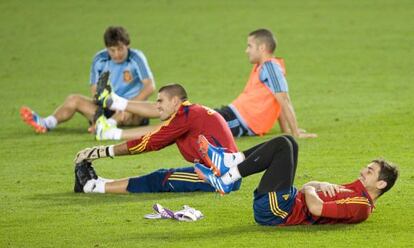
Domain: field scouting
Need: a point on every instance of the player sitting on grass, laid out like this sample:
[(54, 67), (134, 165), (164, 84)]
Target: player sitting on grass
[(264, 99), (277, 202), (131, 78), (182, 123)]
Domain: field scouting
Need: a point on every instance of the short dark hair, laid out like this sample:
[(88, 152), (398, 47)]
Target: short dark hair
[(114, 35), (265, 36), (388, 173), (174, 89)]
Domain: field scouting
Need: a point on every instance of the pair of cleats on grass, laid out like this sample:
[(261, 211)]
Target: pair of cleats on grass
[(102, 98), (214, 159)]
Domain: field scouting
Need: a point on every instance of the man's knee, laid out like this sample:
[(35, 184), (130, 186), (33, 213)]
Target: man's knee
[(80, 104), (74, 100), (291, 139)]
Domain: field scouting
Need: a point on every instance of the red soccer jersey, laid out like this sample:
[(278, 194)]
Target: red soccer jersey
[(183, 128), (344, 207)]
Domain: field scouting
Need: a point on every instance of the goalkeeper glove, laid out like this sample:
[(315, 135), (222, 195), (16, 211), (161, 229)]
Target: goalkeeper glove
[(92, 153)]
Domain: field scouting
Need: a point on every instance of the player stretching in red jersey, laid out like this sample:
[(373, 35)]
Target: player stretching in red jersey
[(277, 202), (182, 123)]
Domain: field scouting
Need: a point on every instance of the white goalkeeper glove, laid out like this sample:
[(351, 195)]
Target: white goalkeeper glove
[(91, 153)]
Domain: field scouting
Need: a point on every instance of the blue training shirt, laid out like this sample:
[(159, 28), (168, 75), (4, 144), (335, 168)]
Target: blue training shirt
[(126, 78), (272, 76)]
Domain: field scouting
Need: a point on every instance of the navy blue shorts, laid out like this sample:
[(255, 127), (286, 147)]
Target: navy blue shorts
[(171, 180), (273, 208)]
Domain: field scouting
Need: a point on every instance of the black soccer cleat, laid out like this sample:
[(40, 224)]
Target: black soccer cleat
[(103, 88), (83, 173)]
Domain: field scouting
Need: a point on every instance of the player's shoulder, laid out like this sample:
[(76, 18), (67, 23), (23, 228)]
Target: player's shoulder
[(136, 55), (271, 65), (101, 56)]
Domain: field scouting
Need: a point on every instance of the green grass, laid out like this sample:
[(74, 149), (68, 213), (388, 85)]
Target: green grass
[(350, 73)]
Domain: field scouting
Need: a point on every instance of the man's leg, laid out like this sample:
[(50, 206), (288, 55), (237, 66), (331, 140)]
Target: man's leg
[(117, 186), (106, 131), (279, 153), (72, 104), (279, 158), (163, 180), (128, 119), (75, 104), (249, 151), (275, 195), (129, 113), (233, 122)]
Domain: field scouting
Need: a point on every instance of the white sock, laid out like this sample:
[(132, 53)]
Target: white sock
[(111, 152), (111, 122), (233, 159), (118, 103), (94, 186), (112, 134), (231, 176), (50, 122)]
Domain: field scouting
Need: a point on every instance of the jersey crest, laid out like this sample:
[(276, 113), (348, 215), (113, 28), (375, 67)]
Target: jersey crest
[(127, 76)]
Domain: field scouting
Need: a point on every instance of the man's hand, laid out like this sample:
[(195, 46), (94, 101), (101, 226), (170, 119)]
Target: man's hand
[(92, 153), (304, 135), (331, 189)]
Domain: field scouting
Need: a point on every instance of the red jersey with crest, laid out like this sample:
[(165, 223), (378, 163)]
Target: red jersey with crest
[(344, 207), (183, 128)]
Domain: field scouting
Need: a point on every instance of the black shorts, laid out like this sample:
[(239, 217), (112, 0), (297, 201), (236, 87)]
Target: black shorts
[(237, 129)]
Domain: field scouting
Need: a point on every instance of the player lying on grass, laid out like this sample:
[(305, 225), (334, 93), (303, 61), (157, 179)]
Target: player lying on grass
[(277, 202), (182, 124), (264, 100), (131, 78)]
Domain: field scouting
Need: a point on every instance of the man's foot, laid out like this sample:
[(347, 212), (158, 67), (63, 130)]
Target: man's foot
[(83, 173), (207, 175), (213, 156), (103, 91), (102, 127), (105, 99), (102, 84), (32, 119)]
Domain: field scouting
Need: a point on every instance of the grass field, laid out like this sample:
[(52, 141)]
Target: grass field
[(350, 73)]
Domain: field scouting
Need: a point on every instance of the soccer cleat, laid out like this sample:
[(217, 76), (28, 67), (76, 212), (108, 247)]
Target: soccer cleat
[(213, 156), (101, 127), (103, 91), (105, 99), (207, 175), (32, 119), (102, 84), (83, 173)]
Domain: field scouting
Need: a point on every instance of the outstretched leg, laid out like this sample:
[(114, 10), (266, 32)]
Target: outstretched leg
[(72, 104), (163, 180)]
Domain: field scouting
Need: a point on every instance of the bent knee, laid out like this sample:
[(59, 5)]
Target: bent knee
[(291, 139), (73, 98), (77, 99)]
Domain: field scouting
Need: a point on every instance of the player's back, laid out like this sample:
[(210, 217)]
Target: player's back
[(205, 121)]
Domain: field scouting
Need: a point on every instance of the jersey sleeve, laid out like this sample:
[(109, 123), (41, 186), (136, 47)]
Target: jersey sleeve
[(355, 209), (272, 76), (143, 69), (98, 66), (166, 135)]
